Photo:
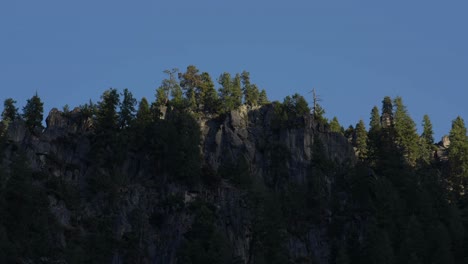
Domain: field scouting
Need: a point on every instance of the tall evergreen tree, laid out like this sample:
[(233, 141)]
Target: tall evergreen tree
[(262, 98), (127, 109), (143, 116), (428, 133), (33, 112), (427, 140), (361, 140), (190, 81), (406, 134), (209, 97), (251, 92), (386, 120), (230, 91), (169, 88), (162, 97), (375, 129), (225, 92), (375, 120), (107, 117), (237, 91), (335, 126), (458, 149), (10, 112)]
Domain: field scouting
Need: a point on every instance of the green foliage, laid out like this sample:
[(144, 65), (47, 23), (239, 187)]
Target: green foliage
[(204, 243), (287, 113), (208, 95), (335, 126), (26, 223), (428, 133), (10, 112), (361, 140), (33, 112), (127, 109), (426, 141), (230, 92), (379, 249), (107, 116), (190, 81), (387, 106), (458, 149), (268, 234), (143, 115), (170, 86), (251, 92), (262, 98), (406, 134)]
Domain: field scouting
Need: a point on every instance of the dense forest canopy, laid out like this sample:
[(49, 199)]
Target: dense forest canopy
[(402, 200)]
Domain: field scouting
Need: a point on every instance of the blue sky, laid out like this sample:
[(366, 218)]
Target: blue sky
[(353, 52)]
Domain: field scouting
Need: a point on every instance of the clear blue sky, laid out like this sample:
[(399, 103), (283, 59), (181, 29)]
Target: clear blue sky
[(353, 52)]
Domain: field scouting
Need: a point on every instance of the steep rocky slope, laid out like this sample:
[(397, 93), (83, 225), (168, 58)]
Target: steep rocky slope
[(147, 220)]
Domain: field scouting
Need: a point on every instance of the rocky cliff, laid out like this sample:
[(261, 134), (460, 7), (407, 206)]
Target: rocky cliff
[(150, 221)]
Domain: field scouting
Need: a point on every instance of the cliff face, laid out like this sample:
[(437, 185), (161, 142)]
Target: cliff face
[(155, 220)]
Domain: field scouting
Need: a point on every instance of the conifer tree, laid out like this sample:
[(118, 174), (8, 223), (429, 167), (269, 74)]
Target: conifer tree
[(251, 92), (127, 109), (143, 116), (10, 112), (386, 119), (361, 140), (33, 112), (237, 91), (387, 106), (262, 98), (335, 126), (209, 96), (169, 88), (375, 120), (161, 96), (190, 81), (458, 149), (107, 117), (428, 133), (230, 91), (406, 134), (225, 91), (426, 140)]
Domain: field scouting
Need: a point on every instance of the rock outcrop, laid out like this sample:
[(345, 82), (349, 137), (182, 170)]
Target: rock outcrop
[(63, 151)]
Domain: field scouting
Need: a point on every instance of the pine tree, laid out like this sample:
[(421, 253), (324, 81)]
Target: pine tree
[(230, 92), (262, 98), (10, 112), (458, 149), (335, 126), (375, 125), (237, 91), (143, 116), (427, 140), (107, 117), (225, 91), (361, 140), (190, 81), (406, 135), (169, 88), (386, 119), (161, 96), (127, 109), (251, 92), (209, 97), (428, 133), (375, 129), (33, 112)]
